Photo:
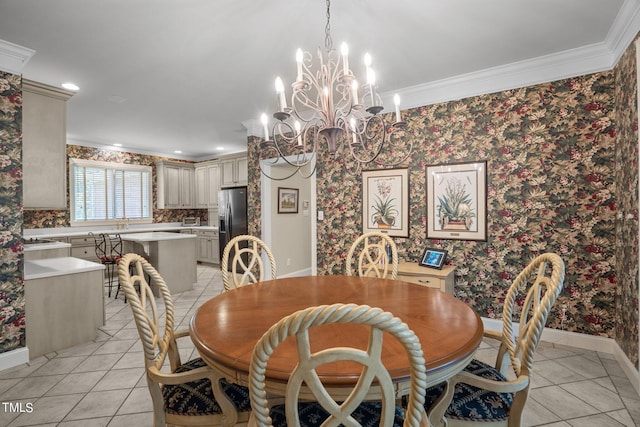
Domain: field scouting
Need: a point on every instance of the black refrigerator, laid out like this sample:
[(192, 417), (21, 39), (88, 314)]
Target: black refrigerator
[(232, 210)]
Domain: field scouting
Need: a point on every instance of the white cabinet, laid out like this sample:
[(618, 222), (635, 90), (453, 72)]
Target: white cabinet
[(63, 310), (175, 185), (208, 246), (234, 171), (207, 185), (44, 145)]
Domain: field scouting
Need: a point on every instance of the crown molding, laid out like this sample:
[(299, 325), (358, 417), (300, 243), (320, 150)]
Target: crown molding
[(13, 58), (46, 90), (570, 63), (254, 127)]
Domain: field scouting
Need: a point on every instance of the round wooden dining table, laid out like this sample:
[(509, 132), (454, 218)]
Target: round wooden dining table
[(226, 328)]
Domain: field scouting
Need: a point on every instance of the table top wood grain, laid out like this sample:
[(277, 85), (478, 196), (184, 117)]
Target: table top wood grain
[(226, 327)]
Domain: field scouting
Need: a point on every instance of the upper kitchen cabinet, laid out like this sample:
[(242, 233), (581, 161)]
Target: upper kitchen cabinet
[(44, 140), (207, 185), (175, 185), (234, 171)]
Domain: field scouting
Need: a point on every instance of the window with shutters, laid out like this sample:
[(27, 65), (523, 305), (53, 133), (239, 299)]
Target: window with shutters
[(104, 193)]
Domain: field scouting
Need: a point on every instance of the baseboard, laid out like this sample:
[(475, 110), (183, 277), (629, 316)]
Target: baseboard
[(625, 364), (584, 341), (299, 273), (12, 358)]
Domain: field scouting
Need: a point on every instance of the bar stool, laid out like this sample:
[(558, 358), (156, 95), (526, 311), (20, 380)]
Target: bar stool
[(103, 250)]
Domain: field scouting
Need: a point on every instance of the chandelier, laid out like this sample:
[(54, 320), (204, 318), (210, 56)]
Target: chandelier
[(331, 104)]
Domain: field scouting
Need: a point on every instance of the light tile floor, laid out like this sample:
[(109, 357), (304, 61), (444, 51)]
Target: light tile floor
[(101, 383)]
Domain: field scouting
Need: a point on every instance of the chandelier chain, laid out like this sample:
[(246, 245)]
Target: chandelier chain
[(328, 43)]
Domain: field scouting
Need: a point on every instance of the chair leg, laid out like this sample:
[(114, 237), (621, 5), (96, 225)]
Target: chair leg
[(109, 269), (118, 291)]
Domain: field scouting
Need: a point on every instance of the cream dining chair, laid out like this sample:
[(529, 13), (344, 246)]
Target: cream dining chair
[(372, 259), (324, 410), (482, 394), (246, 263), (190, 393)]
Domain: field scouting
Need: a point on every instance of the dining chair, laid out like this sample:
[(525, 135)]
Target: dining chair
[(354, 410), (246, 262), (373, 259), (482, 393), (189, 393)]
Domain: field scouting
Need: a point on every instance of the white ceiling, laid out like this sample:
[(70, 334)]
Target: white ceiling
[(164, 75)]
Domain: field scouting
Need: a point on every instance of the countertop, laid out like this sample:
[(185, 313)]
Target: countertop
[(156, 236), (41, 268), (46, 233), (48, 245)]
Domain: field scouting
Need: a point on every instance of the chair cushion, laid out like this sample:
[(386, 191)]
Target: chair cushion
[(196, 397), (109, 259), (312, 414), (473, 403)]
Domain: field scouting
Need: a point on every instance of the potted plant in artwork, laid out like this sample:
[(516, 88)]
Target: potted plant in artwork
[(454, 210), (384, 211)]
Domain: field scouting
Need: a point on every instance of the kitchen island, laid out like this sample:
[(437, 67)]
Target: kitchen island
[(64, 303), (172, 254)]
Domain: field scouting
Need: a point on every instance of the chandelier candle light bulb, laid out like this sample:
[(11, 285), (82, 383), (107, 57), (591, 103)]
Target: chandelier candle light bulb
[(299, 55), (280, 92), (367, 62), (371, 79), (345, 58), (265, 122), (396, 101)]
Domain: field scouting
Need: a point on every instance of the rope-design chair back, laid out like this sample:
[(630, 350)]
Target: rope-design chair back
[(547, 270), (245, 273), (298, 324), (155, 342), (373, 259)]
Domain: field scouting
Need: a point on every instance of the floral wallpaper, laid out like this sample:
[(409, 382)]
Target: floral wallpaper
[(12, 319), (626, 175), (550, 152), (254, 219), (61, 218), (553, 183)]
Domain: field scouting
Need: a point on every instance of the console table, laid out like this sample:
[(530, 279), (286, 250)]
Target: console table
[(433, 278)]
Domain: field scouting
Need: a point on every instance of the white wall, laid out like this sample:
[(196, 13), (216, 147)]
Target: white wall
[(288, 235)]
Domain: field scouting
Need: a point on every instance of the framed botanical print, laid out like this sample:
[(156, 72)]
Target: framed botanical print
[(385, 201), (457, 201)]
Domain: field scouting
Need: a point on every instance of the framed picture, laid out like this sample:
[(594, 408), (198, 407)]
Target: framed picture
[(288, 200), (433, 258), (385, 201), (457, 201)]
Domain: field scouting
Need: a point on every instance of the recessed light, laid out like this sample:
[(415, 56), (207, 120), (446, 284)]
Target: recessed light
[(220, 148), (117, 145), (70, 86), (178, 151)]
